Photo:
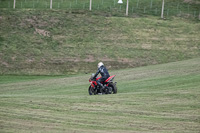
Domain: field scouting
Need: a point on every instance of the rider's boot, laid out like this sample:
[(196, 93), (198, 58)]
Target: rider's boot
[(101, 88), (109, 89)]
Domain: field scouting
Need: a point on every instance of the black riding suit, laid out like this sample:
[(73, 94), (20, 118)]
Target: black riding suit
[(104, 75)]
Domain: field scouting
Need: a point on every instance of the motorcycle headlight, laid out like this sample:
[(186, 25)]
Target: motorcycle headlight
[(92, 76)]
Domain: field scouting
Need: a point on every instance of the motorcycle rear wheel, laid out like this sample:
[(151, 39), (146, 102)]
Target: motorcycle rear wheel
[(114, 88)]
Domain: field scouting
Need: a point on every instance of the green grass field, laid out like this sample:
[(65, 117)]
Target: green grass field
[(45, 42), (182, 8), (47, 56), (158, 98)]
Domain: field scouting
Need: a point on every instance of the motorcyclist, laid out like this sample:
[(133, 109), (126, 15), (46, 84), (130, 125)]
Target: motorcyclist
[(104, 74)]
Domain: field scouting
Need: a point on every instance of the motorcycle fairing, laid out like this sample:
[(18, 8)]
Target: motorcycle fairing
[(94, 83), (107, 80), (110, 78)]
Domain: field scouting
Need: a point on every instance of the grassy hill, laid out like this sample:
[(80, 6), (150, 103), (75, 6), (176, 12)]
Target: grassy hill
[(183, 8), (157, 63), (65, 42), (158, 98)]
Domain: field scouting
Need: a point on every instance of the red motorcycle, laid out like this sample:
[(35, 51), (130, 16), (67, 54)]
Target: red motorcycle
[(110, 86)]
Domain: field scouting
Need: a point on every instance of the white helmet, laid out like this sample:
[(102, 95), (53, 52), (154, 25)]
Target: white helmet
[(100, 64)]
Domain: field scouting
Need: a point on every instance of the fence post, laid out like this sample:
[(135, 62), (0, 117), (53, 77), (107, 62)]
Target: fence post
[(151, 4), (90, 5), (51, 4), (127, 8), (163, 5), (137, 3), (14, 4)]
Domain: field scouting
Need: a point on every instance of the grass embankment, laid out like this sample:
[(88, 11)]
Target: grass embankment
[(158, 98), (183, 8), (62, 42)]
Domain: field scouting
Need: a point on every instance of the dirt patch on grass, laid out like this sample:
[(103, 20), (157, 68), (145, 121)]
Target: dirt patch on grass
[(146, 46), (36, 22), (105, 58), (5, 64), (89, 58), (63, 60), (42, 32), (124, 60), (54, 20), (31, 21)]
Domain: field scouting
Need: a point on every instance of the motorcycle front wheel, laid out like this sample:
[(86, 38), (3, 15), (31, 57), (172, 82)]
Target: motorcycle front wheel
[(91, 91)]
